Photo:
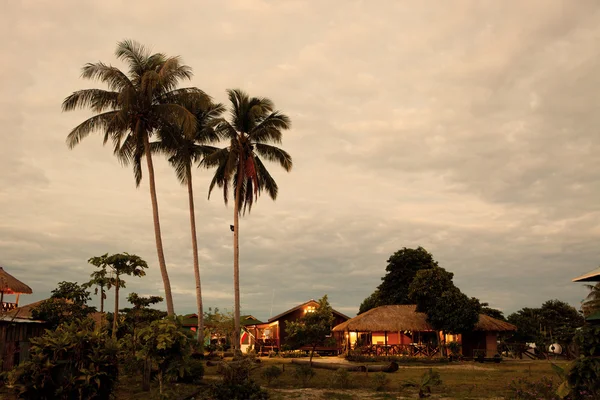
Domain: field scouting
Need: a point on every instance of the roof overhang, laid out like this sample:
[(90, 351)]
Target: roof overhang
[(592, 276)]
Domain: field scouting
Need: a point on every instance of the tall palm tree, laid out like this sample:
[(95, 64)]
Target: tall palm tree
[(254, 125), (129, 112), (184, 151)]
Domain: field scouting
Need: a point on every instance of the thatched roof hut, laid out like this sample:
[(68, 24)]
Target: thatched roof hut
[(11, 285), (395, 318)]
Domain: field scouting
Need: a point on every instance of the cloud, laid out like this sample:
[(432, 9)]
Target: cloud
[(468, 128)]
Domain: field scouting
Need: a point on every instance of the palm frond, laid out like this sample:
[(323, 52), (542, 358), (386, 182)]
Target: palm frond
[(97, 99), (176, 115), (269, 129), (274, 154), (135, 54), (108, 121), (112, 76), (265, 180)]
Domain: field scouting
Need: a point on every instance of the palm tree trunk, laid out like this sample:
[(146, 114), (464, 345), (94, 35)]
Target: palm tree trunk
[(159, 246), (196, 263), (236, 258), (116, 315), (101, 299)]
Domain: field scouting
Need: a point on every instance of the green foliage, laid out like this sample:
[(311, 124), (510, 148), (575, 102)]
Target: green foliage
[(71, 291), (526, 389), (341, 378), (72, 362), (271, 373), (193, 371), (584, 373), (447, 308), (313, 328), (67, 304), (554, 322), (400, 272), (429, 379), (221, 325), (236, 384), (380, 381), (165, 344), (358, 357), (492, 312), (304, 373), (591, 304)]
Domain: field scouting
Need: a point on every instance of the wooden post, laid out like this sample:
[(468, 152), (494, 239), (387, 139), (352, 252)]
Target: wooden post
[(17, 303), (385, 338)]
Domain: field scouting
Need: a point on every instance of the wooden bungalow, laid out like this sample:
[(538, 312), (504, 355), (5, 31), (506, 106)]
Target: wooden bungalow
[(16, 328), (190, 321), (272, 334), (400, 330)]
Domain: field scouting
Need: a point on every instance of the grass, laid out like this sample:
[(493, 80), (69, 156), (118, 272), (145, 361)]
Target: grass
[(465, 380)]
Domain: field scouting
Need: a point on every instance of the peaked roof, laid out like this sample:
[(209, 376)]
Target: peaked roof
[(395, 318), (592, 276), (311, 301), (11, 285)]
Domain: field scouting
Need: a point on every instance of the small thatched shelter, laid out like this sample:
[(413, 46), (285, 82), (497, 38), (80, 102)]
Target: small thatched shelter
[(401, 330), (11, 285)]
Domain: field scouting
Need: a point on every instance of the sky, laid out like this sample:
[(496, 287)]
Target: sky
[(467, 127)]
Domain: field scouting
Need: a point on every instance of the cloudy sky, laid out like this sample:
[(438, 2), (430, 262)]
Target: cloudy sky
[(467, 127)]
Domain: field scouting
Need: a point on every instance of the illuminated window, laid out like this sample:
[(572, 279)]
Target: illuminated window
[(309, 309)]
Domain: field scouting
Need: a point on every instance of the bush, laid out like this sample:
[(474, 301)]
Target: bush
[(271, 373), (341, 378), (584, 373), (72, 362), (193, 371), (358, 357), (248, 390), (304, 373), (524, 389), (380, 381)]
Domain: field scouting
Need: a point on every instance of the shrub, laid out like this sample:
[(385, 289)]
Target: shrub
[(72, 362), (193, 371), (341, 378), (304, 373), (271, 373), (380, 381), (429, 379), (358, 357), (525, 389)]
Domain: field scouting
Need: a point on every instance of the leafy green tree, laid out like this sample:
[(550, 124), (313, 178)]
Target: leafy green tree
[(221, 325), (183, 152), (400, 272), (78, 294), (313, 329), (492, 312), (447, 308), (119, 264), (253, 127), (100, 279), (135, 105), (67, 303), (74, 361), (166, 345), (554, 322)]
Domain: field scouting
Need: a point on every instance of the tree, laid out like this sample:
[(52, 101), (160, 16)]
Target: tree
[(101, 281), (71, 291), (400, 271), (139, 317), (67, 303), (183, 152), (492, 312), (119, 264), (254, 125), (313, 328), (554, 322), (135, 105), (221, 325), (591, 304), (448, 309)]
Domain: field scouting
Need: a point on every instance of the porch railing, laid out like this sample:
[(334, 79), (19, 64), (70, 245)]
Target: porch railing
[(408, 350), (5, 306)]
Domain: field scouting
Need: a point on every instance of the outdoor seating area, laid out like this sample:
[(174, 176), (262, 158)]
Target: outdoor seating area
[(407, 350)]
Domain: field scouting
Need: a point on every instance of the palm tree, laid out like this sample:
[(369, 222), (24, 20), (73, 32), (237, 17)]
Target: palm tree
[(184, 151), (591, 303), (135, 105), (254, 125)]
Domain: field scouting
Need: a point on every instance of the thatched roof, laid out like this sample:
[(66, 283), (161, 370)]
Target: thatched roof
[(592, 276), (396, 318), (11, 285)]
